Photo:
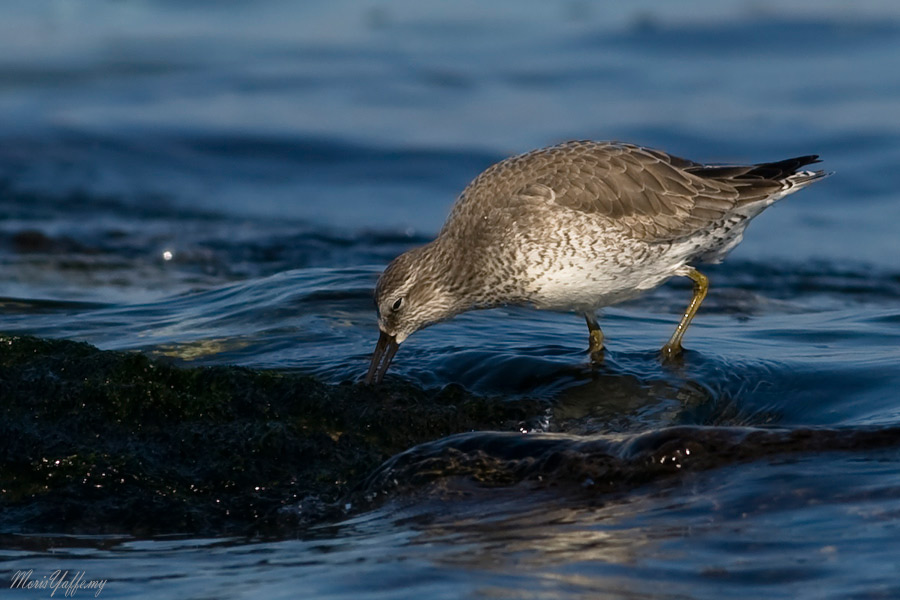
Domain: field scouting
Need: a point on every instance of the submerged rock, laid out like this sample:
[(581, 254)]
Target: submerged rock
[(96, 441), (603, 464)]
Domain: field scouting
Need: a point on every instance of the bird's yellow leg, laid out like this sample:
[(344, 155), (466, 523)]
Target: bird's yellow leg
[(701, 285), (596, 338)]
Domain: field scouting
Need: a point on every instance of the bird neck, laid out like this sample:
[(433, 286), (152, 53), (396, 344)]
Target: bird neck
[(458, 273)]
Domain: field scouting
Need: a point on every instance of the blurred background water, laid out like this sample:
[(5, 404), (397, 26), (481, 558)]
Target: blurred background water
[(222, 182)]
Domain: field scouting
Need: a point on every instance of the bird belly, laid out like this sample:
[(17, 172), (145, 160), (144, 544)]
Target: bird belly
[(579, 263), (587, 276)]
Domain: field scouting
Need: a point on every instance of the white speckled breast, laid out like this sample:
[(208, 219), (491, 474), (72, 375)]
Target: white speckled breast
[(581, 263)]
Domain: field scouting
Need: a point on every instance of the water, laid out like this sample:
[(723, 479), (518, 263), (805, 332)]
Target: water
[(221, 184)]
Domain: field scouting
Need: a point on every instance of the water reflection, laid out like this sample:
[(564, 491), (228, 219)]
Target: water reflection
[(759, 529)]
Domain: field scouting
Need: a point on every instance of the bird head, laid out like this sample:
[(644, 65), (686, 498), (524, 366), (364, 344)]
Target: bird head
[(411, 294)]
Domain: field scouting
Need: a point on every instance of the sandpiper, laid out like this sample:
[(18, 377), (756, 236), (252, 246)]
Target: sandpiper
[(577, 227)]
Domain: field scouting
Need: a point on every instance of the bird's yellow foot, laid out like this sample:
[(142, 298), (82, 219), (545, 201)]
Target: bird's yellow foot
[(595, 350), (596, 341), (671, 351)]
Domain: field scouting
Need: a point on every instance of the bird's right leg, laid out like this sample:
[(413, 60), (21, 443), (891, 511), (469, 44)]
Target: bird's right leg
[(673, 348), (596, 338)]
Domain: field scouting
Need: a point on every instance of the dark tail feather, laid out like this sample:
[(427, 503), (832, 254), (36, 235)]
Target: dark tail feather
[(776, 171), (773, 171)]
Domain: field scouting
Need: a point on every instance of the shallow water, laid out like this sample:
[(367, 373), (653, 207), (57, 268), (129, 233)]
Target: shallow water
[(222, 185)]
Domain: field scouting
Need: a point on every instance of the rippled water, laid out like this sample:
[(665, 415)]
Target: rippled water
[(222, 184)]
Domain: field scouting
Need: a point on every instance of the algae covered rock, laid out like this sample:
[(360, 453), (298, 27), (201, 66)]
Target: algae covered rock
[(96, 441)]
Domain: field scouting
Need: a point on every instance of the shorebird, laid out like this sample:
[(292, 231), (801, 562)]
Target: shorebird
[(576, 227)]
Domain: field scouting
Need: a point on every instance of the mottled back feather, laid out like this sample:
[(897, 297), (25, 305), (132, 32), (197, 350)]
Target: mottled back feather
[(652, 196)]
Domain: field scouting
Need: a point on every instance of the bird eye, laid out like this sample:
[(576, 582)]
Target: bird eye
[(397, 303)]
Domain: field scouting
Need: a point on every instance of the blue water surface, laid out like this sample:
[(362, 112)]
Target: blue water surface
[(222, 183)]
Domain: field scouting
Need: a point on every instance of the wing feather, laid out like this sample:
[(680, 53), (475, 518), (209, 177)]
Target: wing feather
[(650, 195)]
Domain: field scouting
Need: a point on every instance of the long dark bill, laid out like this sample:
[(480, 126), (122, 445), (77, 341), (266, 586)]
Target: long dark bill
[(384, 352)]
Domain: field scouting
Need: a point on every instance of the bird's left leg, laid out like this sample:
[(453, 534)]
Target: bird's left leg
[(596, 337), (701, 285)]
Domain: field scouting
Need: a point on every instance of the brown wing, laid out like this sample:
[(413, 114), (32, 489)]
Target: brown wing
[(652, 195)]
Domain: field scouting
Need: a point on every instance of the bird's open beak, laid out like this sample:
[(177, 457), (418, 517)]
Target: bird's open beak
[(384, 352)]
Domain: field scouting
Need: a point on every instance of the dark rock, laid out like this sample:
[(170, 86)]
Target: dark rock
[(94, 441)]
